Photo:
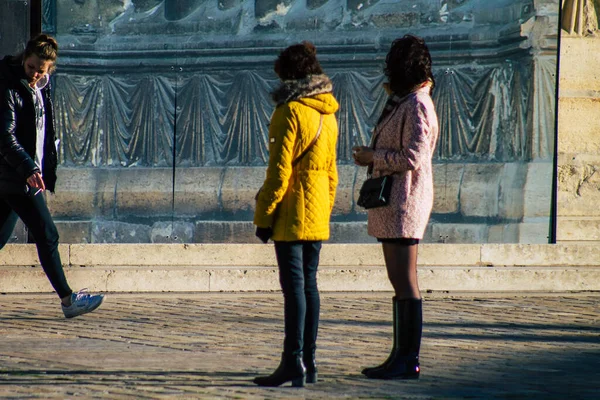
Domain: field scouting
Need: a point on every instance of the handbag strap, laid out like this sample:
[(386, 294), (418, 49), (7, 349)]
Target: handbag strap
[(297, 160), (391, 104)]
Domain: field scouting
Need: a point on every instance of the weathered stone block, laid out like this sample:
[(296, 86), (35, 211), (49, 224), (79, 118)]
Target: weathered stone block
[(144, 192), (120, 232), (449, 254), (504, 279), (360, 176), (480, 190), (507, 233), (534, 232), (197, 190), (172, 232), (24, 280), (350, 232), (244, 279), (106, 192), (344, 198), (225, 232), (539, 254), (172, 255), (243, 232), (133, 279), (240, 185), (579, 60), (26, 254), (353, 279), (512, 183), (580, 229), (578, 130), (460, 233), (578, 190), (446, 181), (74, 231), (75, 193), (537, 190)]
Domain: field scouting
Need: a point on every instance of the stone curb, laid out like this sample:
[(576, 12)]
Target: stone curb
[(343, 267), (357, 255), (331, 279)]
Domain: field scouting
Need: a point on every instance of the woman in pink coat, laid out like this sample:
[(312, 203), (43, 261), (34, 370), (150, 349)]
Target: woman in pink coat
[(402, 146)]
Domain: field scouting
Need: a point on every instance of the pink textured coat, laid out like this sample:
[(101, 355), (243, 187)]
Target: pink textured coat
[(404, 147)]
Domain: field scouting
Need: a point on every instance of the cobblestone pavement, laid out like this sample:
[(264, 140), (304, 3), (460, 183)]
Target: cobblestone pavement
[(157, 346)]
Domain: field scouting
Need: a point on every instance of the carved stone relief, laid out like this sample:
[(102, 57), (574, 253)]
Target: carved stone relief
[(180, 90), (486, 100), (579, 17)]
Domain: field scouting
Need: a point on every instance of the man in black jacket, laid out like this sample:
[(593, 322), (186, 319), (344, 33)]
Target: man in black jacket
[(28, 161)]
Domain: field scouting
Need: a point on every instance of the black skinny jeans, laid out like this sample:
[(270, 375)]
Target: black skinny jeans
[(298, 263), (34, 213)]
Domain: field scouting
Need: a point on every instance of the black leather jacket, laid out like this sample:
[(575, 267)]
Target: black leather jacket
[(18, 132)]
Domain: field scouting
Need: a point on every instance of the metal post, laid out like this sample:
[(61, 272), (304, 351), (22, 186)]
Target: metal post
[(554, 196)]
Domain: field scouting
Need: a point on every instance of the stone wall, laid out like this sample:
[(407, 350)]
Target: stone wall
[(579, 125), (474, 203), (162, 108)]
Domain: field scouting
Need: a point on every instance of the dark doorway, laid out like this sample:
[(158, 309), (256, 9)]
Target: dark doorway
[(20, 19)]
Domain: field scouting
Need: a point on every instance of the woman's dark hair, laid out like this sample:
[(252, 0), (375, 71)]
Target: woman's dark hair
[(407, 64), (44, 46), (297, 62)]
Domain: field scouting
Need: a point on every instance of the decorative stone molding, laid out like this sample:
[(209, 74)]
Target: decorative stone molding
[(579, 17)]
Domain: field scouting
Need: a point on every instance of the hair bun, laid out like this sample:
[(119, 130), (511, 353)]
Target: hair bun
[(310, 48)]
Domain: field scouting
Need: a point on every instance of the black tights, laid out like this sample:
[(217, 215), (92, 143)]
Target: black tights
[(401, 263)]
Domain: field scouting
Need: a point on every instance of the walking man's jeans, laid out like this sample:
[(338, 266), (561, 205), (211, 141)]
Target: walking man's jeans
[(298, 263), (34, 213)]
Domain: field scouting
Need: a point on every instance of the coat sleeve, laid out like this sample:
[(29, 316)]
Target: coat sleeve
[(10, 149), (413, 143), (282, 138)]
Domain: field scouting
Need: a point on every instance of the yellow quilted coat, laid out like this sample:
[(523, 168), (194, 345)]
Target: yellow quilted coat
[(297, 202)]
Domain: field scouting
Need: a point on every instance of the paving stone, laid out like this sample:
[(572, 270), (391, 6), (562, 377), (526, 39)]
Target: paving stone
[(211, 345)]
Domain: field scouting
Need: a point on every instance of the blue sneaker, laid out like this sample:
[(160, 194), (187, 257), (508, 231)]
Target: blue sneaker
[(81, 303)]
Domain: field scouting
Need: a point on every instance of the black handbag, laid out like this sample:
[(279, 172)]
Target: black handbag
[(375, 192)]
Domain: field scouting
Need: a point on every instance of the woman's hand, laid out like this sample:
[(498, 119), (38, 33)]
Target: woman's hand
[(36, 181), (264, 234), (363, 155)]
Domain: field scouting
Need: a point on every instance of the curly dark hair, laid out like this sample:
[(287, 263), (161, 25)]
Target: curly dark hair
[(297, 62), (407, 64)]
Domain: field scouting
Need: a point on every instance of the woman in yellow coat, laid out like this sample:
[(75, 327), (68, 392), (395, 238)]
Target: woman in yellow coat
[(294, 205)]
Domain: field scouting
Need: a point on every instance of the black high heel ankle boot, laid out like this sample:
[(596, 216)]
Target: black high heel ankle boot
[(408, 323), (310, 364), (290, 369)]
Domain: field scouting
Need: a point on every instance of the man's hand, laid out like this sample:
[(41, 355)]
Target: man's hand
[(264, 234)]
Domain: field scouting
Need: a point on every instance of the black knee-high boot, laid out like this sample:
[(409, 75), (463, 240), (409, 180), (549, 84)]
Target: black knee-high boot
[(394, 343), (403, 363), (290, 368)]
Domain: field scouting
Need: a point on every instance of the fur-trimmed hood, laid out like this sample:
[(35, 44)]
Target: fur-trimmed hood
[(296, 89)]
